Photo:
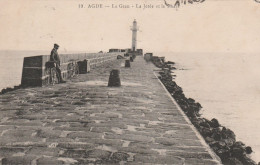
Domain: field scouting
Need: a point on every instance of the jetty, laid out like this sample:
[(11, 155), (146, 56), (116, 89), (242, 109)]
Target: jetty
[(113, 109), (86, 122)]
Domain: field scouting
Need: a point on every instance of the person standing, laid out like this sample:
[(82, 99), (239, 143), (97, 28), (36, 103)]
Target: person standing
[(54, 57)]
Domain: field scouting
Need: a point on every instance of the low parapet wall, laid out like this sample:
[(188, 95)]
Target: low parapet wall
[(35, 73)]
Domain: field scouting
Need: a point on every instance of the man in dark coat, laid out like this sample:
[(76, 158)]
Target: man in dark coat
[(56, 59)]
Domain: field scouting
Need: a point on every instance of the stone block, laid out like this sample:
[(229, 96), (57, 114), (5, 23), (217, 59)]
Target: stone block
[(49, 161), (74, 153), (119, 156), (48, 133), (158, 159), (99, 154), (191, 161), (76, 145), (51, 152), (178, 142), (84, 135), (15, 160), (9, 151), (84, 66), (140, 150), (19, 133), (108, 142), (187, 154)]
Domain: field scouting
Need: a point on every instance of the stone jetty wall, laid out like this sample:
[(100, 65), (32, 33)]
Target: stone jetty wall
[(84, 121), (36, 73), (221, 139)]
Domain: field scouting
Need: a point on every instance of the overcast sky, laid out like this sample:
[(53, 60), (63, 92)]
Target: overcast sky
[(212, 26)]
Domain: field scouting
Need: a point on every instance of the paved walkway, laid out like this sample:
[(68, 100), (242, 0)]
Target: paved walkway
[(86, 122)]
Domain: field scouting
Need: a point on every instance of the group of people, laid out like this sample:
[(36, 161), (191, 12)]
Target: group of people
[(54, 57)]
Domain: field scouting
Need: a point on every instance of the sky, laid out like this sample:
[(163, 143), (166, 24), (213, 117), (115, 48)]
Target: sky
[(211, 26)]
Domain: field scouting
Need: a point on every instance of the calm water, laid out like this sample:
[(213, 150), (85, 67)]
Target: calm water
[(226, 85), (228, 88)]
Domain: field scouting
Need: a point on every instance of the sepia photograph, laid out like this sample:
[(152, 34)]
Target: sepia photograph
[(129, 82)]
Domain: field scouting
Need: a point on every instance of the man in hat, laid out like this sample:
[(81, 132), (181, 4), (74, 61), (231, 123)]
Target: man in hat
[(56, 59)]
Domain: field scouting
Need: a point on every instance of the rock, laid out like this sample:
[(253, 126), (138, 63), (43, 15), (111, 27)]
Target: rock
[(214, 123), (179, 93), (223, 153), (232, 161), (205, 132), (216, 134), (239, 143), (219, 145), (191, 114), (238, 152), (227, 133), (190, 100), (195, 122), (6, 90), (247, 161), (209, 139), (215, 149), (198, 105), (194, 108), (205, 124), (3, 91), (182, 103), (169, 62), (229, 142), (249, 150)]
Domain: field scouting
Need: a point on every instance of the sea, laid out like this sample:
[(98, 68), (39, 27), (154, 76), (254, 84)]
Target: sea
[(227, 85)]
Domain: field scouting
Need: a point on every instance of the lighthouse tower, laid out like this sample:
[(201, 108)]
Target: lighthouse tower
[(134, 35)]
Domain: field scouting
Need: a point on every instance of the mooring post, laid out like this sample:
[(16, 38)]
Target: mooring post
[(114, 79), (131, 59), (127, 63)]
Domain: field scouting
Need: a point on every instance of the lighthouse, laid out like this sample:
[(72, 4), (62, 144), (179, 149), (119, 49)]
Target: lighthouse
[(134, 35)]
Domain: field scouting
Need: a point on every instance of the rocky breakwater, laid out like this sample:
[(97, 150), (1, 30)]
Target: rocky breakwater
[(221, 139)]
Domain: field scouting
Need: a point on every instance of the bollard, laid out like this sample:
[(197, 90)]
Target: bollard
[(131, 59), (114, 79), (127, 63)]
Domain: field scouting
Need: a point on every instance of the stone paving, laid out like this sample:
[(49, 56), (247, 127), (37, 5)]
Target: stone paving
[(86, 122)]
